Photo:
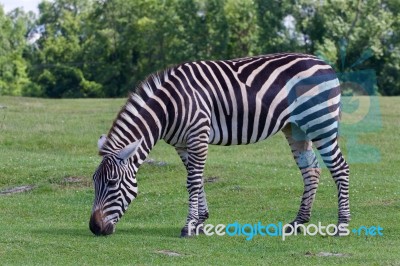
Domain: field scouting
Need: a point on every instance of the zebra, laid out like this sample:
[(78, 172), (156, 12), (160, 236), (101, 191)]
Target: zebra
[(227, 102)]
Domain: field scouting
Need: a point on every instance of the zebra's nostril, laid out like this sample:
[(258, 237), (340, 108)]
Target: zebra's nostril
[(95, 225), (98, 227)]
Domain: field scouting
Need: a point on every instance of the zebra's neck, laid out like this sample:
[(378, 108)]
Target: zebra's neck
[(142, 118)]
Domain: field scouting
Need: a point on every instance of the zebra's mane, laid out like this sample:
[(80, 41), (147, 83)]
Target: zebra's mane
[(144, 91), (146, 88)]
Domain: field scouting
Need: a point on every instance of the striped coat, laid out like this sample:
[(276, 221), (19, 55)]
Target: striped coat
[(230, 102)]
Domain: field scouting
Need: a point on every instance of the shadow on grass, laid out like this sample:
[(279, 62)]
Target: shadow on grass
[(165, 232), (169, 232), (76, 232)]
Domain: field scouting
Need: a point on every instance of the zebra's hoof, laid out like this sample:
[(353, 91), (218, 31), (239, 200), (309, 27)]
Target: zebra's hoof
[(200, 229), (197, 230), (185, 232), (290, 230)]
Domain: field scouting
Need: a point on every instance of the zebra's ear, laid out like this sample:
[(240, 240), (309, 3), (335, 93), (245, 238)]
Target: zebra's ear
[(101, 141), (129, 150)]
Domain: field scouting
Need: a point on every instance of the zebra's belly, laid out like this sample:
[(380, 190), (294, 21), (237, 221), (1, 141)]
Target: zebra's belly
[(242, 133)]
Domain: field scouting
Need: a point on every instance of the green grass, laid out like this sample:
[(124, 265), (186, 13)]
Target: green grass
[(42, 142)]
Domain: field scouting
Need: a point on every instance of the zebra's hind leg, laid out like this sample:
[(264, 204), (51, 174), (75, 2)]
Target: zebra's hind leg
[(337, 165), (308, 164), (194, 161)]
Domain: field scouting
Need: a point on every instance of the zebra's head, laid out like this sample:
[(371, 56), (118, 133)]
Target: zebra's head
[(115, 187)]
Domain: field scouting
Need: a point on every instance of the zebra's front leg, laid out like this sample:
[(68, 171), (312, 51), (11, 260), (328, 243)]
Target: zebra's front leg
[(203, 207), (198, 210), (203, 213)]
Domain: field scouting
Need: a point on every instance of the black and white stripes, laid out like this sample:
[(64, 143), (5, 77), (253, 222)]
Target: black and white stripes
[(228, 102)]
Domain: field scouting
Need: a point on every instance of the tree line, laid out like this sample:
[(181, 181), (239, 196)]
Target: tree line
[(104, 48)]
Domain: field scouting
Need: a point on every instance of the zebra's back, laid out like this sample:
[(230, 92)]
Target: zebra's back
[(250, 99)]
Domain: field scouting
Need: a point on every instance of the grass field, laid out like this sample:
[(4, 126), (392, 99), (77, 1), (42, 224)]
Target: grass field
[(52, 145)]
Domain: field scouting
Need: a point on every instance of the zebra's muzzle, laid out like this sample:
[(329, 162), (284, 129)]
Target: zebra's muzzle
[(98, 227)]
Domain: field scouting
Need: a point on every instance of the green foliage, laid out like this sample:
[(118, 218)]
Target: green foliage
[(242, 27), (103, 48), (57, 61), (273, 36), (13, 67), (347, 33)]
